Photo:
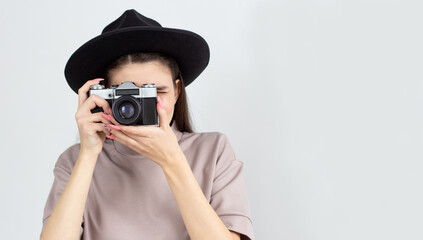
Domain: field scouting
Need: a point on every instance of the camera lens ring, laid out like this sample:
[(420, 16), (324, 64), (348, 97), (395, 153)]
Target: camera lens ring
[(116, 109)]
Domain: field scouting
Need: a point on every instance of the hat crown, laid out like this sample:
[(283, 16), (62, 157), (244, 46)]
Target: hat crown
[(131, 18)]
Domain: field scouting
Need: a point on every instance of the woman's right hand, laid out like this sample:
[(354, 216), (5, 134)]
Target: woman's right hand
[(90, 125)]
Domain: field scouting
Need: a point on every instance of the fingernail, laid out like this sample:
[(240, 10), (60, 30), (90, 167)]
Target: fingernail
[(98, 79), (160, 101), (107, 116), (114, 127), (110, 136), (110, 111)]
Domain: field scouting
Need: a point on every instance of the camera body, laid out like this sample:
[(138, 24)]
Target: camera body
[(130, 104)]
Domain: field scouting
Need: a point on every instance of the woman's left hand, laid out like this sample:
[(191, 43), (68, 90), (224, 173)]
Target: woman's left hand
[(156, 143)]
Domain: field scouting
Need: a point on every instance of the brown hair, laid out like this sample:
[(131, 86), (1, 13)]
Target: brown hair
[(181, 114)]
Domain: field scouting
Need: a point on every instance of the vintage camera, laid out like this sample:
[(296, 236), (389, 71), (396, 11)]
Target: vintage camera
[(130, 105)]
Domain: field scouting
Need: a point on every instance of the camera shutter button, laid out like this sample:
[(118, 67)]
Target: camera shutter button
[(97, 87)]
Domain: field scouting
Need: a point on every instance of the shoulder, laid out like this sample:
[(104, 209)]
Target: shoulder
[(215, 144), (67, 159), (217, 139), (205, 136)]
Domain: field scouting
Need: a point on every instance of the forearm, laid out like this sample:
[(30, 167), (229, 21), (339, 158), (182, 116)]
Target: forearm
[(199, 217), (66, 218)]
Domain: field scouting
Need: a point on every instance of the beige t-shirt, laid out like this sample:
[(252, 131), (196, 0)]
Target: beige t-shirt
[(130, 198)]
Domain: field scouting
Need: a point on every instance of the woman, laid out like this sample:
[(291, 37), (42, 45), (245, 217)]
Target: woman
[(144, 182)]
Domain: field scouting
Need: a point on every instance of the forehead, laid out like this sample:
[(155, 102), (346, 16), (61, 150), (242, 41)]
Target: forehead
[(142, 73)]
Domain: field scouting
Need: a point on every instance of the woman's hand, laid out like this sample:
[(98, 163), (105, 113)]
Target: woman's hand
[(91, 125), (157, 143)]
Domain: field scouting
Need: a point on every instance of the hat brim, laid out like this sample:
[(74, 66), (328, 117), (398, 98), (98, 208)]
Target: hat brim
[(189, 49)]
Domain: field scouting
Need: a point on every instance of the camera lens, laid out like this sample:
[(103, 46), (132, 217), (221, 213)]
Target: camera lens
[(126, 110)]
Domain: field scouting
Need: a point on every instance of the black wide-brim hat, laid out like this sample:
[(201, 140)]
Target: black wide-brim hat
[(133, 32)]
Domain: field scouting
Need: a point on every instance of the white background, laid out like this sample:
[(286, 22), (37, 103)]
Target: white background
[(321, 99)]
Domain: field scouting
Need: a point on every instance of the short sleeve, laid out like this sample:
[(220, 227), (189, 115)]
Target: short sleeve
[(62, 172), (229, 196)]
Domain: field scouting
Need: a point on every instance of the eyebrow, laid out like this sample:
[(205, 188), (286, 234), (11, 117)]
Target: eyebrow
[(162, 87)]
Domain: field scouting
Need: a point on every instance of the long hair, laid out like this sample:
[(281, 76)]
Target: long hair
[(181, 114)]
